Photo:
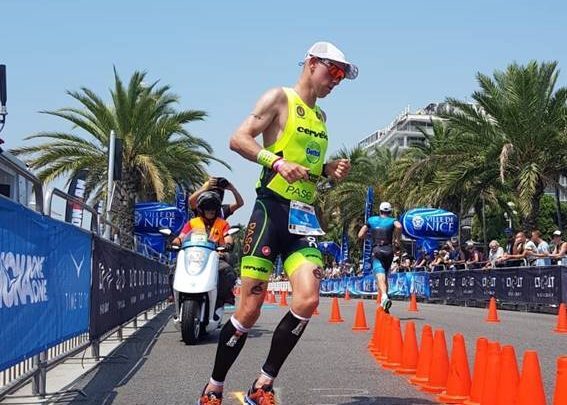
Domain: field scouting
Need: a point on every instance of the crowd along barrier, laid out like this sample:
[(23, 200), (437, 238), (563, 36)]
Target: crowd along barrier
[(525, 285)]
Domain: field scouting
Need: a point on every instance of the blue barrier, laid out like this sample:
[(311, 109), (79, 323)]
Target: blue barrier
[(534, 285), (45, 275)]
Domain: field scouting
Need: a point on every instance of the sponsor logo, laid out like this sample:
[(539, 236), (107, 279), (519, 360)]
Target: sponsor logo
[(79, 265), (417, 222), (248, 238), (319, 115), (299, 192), (266, 250), (234, 339), (300, 111), (310, 132), (299, 328), (22, 281), (260, 269), (313, 152)]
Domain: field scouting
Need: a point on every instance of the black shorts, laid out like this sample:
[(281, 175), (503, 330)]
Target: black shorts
[(385, 254)]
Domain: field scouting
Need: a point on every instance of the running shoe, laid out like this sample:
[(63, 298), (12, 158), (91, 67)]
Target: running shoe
[(210, 398), (386, 305), (261, 396)]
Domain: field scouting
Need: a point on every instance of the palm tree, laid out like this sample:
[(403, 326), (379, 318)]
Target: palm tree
[(158, 151), (344, 202), (520, 119)]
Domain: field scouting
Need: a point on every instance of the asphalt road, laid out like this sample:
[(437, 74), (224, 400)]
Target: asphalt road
[(330, 365)]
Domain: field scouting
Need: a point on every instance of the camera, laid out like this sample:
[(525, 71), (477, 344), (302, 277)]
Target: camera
[(222, 182)]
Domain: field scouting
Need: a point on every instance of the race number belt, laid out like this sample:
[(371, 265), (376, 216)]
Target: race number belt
[(303, 220)]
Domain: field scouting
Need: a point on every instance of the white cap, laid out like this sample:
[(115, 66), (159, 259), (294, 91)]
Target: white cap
[(557, 233), (326, 50), (385, 206)]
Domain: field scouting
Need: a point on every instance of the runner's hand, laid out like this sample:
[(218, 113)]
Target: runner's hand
[(338, 169), (292, 172)]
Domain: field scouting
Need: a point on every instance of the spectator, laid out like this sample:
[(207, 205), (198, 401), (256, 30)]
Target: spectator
[(405, 262), (395, 267), (438, 262), (559, 252), (509, 248), (455, 257), (521, 251), (421, 261), (473, 257), (495, 254), (218, 185), (542, 249)]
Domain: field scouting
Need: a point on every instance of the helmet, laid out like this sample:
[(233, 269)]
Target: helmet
[(209, 200)]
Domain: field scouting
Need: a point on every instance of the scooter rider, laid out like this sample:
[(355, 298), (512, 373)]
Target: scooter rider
[(208, 218)]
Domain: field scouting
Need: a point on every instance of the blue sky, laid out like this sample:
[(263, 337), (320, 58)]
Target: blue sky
[(219, 56)]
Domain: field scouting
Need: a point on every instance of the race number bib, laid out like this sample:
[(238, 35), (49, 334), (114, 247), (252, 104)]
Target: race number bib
[(303, 220)]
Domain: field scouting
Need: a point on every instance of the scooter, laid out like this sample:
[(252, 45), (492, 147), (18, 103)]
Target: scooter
[(195, 286)]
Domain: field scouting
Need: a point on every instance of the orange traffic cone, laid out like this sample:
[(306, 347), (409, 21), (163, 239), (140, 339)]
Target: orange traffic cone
[(439, 370), (360, 318), (335, 312), (410, 355), (379, 348), (413, 303), (347, 294), (425, 355), (373, 344), (395, 350), (560, 394), (492, 375), (561, 319), (492, 314), (283, 299), (272, 299), (509, 377), (382, 356), (481, 356), (530, 389), (459, 380)]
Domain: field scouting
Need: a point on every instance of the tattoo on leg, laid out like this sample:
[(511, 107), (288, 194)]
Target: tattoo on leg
[(257, 289), (318, 273), (257, 116)]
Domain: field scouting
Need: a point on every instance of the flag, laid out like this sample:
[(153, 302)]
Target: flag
[(367, 247), (74, 212)]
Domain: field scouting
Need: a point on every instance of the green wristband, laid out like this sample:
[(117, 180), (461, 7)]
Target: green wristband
[(266, 158)]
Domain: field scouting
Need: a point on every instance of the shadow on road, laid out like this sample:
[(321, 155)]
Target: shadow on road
[(100, 383), (388, 401)]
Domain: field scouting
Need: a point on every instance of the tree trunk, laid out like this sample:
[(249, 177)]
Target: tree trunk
[(529, 223), (123, 215)]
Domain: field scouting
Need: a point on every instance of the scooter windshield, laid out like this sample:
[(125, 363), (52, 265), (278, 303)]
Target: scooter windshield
[(198, 238)]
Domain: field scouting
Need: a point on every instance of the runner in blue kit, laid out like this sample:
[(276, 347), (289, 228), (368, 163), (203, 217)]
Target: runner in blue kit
[(384, 230)]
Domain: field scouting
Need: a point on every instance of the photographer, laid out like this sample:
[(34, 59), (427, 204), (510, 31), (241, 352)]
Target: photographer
[(218, 185)]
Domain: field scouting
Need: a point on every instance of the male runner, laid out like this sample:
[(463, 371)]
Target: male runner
[(282, 222), (384, 229)]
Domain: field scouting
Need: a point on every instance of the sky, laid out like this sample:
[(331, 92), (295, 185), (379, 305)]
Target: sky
[(220, 56)]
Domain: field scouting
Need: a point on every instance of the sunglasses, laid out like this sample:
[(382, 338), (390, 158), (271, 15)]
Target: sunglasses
[(337, 73)]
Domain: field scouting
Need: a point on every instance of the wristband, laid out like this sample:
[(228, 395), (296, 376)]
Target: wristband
[(267, 158), (277, 164)]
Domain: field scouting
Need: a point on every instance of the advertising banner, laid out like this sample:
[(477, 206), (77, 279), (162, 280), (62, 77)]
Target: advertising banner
[(367, 247), (45, 276), (124, 285)]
